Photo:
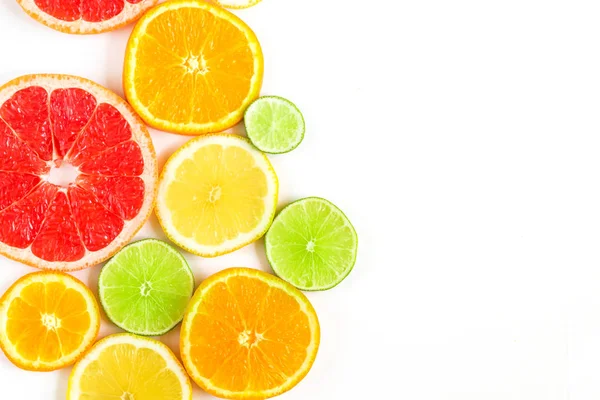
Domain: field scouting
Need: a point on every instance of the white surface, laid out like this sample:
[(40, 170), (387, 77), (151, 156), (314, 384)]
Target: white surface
[(462, 139)]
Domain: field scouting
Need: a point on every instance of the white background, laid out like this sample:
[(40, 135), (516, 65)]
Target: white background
[(462, 138)]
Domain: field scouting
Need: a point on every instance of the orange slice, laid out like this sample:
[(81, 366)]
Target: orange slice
[(192, 67), (84, 17), (248, 335), (47, 321)]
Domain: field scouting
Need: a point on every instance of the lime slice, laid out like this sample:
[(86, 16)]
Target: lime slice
[(312, 244), (274, 124), (145, 288)]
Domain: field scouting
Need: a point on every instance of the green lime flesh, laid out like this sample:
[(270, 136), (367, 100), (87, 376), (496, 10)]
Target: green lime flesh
[(312, 244), (145, 288), (274, 124)]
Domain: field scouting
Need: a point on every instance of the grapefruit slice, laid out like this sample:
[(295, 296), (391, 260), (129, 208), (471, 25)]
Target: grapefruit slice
[(77, 172), (85, 16)]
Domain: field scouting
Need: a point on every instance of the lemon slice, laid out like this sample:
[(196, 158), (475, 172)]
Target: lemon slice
[(238, 3), (125, 366), (216, 194)]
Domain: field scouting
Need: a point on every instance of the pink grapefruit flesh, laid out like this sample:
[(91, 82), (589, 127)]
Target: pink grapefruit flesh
[(50, 124)]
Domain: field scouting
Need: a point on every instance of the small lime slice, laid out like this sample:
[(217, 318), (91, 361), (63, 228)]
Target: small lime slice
[(312, 244), (145, 288), (274, 124)]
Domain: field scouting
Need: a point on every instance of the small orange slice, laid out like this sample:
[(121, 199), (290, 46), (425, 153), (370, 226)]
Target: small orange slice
[(248, 335), (192, 67), (47, 321)]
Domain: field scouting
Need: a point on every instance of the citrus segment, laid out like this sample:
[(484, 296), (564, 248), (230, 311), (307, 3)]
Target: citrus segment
[(146, 287), (47, 321), (121, 195), (106, 129), (125, 366), (14, 186), (248, 335), (77, 16), (66, 10), (70, 110), (124, 159), (20, 223), (312, 244), (97, 225), (16, 156), (58, 244), (95, 192), (216, 194), (26, 112), (192, 67), (101, 10)]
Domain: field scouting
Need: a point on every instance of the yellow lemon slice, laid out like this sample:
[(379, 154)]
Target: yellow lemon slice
[(238, 3), (216, 194), (125, 366)]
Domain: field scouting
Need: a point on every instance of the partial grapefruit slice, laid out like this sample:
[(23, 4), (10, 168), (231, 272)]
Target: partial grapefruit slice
[(77, 172), (85, 17)]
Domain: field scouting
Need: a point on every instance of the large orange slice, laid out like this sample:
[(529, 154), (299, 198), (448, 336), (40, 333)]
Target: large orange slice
[(85, 16), (47, 321), (248, 335), (192, 67), (77, 172)]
